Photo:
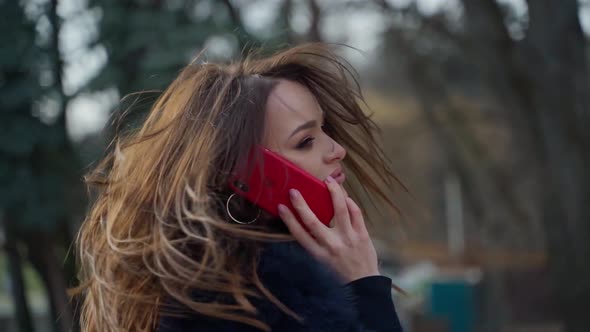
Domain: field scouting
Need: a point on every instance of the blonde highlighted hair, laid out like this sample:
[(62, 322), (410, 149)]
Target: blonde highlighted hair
[(157, 230)]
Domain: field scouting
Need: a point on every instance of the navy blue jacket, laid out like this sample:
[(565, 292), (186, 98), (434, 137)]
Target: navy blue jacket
[(311, 290)]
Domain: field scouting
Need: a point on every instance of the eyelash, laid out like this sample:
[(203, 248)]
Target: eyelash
[(308, 141)]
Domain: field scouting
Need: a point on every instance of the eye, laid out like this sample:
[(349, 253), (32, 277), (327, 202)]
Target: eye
[(306, 143)]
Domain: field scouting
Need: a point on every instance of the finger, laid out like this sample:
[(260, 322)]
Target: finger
[(298, 232), (308, 218), (341, 218), (344, 191), (356, 216)]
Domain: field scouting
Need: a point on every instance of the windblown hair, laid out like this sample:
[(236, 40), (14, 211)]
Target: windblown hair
[(157, 230)]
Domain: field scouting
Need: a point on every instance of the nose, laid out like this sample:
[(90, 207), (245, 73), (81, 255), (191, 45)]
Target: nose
[(336, 153)]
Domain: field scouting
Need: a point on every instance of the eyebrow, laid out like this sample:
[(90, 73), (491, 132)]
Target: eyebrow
[(307, 125)]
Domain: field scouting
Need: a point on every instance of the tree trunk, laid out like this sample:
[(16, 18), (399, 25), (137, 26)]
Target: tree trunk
[(17, 282), (559, 74), (550, 89), (42, 256)]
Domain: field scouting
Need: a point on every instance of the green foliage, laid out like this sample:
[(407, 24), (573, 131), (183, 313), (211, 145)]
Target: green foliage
[(19, 134), (19, 131), (146, 44), (35, 174)]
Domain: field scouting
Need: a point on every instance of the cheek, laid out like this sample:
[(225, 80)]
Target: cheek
[(312, 165), (314, 169), (307, 163)]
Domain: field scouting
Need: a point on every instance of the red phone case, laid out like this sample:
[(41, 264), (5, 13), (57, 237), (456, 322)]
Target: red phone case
[(270, 189)]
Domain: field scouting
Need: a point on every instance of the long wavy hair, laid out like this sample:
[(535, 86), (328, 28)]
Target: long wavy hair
[(157, 230)]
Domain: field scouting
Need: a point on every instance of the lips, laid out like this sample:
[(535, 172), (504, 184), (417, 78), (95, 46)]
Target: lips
[(338, 175)]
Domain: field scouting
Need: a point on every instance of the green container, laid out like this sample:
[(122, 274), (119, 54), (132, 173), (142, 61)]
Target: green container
[(454, 301)]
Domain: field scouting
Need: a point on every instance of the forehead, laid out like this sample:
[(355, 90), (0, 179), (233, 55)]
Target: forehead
[(290, 101)]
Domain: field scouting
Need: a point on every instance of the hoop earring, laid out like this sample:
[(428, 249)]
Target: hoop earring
[(233, 218)]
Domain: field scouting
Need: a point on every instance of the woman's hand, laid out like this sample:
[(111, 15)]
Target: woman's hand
[(346, 247)]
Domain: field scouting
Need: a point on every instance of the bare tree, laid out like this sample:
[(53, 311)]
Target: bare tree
[(539, 88)]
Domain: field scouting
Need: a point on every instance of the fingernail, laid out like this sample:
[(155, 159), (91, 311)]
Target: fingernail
[(329, 179), (293, 193), (282, 208)]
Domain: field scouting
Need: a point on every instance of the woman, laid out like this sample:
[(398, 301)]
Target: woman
[(166, 246)]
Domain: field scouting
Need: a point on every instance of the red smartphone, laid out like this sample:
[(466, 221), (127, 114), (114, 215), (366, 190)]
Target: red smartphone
[(270, 180)]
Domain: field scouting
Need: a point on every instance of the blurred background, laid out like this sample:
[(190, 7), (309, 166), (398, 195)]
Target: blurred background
[(484, 107)]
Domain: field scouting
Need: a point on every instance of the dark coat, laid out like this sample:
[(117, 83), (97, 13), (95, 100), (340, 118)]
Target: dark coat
[(312, 291)]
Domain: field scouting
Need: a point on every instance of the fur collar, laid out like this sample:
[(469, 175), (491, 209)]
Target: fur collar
[(302, 284), (306, 287)]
